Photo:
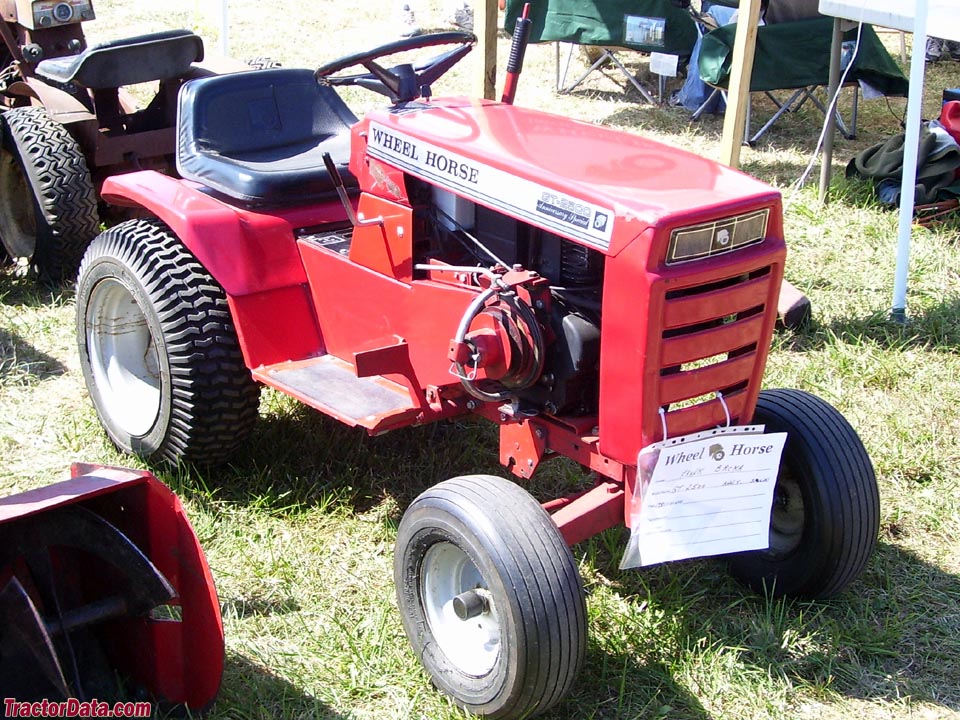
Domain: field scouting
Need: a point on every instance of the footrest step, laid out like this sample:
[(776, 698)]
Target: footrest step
[(331, 385)]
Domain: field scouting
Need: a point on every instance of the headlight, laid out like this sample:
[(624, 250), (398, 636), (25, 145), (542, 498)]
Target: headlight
[(717, 237)]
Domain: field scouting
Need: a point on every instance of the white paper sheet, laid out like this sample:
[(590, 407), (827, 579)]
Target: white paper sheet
[(707, 496), (664, 64)]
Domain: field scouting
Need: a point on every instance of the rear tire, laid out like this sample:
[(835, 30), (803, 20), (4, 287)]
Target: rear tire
[(48, 206), (826, 505), (158, 349), (487, 542)]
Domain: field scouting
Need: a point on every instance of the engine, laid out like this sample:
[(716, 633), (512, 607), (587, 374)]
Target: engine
[(539, 345)]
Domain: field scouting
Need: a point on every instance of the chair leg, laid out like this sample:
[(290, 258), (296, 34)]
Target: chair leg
[(604, 57), (698, 113), (785, 107), (853, 116), (561, 79), (633, 81), (848, 132)]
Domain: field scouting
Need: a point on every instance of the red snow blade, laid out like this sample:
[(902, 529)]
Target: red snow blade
[(105, 593)]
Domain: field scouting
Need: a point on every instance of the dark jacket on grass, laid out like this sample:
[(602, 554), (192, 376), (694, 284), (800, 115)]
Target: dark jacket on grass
[(937, 162)]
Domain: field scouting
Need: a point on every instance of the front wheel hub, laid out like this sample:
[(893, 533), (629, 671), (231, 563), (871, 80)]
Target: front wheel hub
[(457, 607)]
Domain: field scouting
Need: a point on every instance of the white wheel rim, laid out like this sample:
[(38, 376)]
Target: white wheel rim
[(472, 645), (123, 358), (788, 516)]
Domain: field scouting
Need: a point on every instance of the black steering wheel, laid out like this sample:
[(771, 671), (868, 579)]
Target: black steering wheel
[(406, 81)]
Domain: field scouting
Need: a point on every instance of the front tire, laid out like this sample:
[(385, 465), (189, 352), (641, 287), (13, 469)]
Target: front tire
[(158, 350), (826, 505), (490, 597), (48, 206)]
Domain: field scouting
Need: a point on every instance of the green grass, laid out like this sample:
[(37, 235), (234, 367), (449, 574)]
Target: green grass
[(299, 527)]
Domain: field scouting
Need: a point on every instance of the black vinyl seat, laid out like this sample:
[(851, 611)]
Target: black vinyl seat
[(260, 136), (144, 58)]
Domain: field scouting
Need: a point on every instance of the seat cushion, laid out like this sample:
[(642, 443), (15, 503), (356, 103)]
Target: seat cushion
[(260, 136), (127, 61)]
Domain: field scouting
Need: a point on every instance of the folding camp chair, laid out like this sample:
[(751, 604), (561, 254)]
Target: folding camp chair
[(795, 56), (610, 25)]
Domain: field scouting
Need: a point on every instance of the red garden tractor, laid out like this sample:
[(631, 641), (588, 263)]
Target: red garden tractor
[(70, 121), (589, 291)]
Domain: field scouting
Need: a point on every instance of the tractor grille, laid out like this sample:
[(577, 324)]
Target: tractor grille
[(711, 342)]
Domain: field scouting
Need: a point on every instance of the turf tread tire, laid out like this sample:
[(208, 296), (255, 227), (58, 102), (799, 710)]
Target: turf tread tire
[(544, 591), (841, 500), (212, 400), (65, 200)]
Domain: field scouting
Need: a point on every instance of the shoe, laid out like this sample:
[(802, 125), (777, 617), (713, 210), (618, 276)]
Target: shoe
[(408, 22), (462, 17), (934, 49)]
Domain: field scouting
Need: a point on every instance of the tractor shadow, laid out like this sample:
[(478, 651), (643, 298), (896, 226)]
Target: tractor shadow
[(301, 459), (888, 637), (19, 286), (935, 328), (252, 692), (23, 364), (892, 636)]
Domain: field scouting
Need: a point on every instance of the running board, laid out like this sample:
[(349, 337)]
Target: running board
[(331, 386)]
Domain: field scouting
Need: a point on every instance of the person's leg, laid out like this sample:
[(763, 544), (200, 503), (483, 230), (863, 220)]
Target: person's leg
[(952, 47), (934, 49), (407, 18), (461, 15)]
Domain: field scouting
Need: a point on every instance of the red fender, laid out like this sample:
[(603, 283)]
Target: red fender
[(253, 255), (245, 252)]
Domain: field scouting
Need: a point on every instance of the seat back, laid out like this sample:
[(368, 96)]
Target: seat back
[(259, 136), (128, 61)]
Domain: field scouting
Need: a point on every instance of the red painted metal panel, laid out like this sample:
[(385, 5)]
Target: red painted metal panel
[(693, 383), (245, 251), (711, 413), (361, 309), (686, 348), (717, 303), (645, 181), (640, 303), (276, 325), (386, 247), (178, 661)]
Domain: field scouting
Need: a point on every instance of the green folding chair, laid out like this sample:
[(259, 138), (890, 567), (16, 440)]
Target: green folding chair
[(795, 57), (610, 25)]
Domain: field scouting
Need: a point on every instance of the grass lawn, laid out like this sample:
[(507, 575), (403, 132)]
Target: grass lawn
[(299, 527)]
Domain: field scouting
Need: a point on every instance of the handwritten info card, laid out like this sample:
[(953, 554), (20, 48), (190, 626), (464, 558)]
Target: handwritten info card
[(704, 494)]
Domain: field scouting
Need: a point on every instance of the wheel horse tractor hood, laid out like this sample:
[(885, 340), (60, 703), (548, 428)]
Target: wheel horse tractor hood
[(591, 184)]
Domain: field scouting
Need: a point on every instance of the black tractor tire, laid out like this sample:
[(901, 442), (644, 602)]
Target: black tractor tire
[(826, 505), (158, 349), (48, 205), (487, 542)]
